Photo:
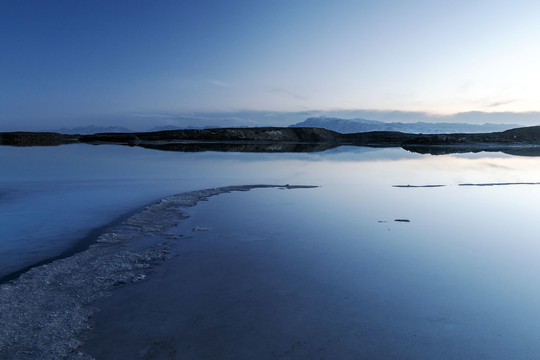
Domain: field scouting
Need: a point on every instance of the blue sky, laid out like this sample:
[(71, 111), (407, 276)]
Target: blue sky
[(82, 59)]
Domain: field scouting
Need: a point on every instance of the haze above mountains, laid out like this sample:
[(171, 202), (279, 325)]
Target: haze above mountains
[(144, 121), (344, 126), (347, 126)]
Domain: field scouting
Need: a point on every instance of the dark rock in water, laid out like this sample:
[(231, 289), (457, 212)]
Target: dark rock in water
[(502, 184)]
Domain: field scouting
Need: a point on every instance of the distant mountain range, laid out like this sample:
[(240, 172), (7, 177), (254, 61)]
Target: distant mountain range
[(348, 126), (344, 126), (172, 127), (92, 129)]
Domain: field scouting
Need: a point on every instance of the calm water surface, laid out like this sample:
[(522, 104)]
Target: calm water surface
[(51, 197), (340, 284), (460, 274)]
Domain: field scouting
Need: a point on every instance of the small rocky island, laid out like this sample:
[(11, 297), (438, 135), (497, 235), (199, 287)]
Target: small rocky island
[(519, 141)]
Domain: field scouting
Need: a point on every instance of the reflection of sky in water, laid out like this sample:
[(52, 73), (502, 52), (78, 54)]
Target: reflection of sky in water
[(464, 269), (458, 281), (53, 196)]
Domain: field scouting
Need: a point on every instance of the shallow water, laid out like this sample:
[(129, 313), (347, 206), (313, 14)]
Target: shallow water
[(310, 274), (53, 196), (458, 279)]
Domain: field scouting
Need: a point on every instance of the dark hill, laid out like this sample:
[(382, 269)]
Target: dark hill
[(273, 134), (294, 139), (22, 138)]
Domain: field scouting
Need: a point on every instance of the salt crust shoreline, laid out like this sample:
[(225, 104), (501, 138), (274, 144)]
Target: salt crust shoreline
[(45, 310)]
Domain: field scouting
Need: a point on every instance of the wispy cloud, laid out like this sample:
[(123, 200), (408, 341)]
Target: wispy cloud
[(151, 115), (288, 93), (501, 103), (219, 83)]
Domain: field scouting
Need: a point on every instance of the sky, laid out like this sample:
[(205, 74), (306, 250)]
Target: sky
[(70, 62)]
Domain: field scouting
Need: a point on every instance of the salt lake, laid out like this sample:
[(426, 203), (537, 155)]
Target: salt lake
[(456, 277)]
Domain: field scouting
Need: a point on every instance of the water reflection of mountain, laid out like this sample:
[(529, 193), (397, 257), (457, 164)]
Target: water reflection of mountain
[(242, 147), (448, 150), (519, 141)]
